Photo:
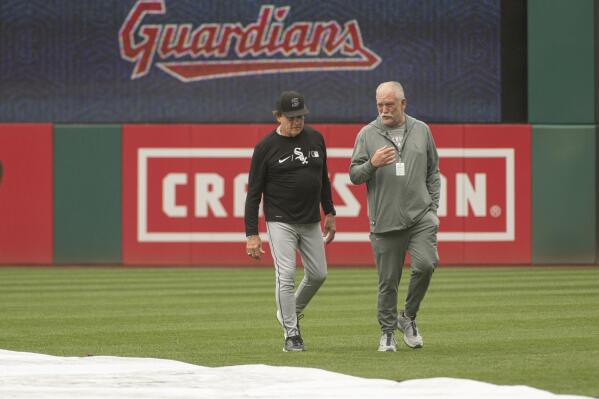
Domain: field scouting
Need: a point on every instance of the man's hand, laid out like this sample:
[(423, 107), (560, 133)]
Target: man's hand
[(329, 228), (253, 247), (383, 156)]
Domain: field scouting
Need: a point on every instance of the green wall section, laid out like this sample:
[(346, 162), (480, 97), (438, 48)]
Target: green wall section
[(562, 107), (564, 194), (561, 62), (87, 194)]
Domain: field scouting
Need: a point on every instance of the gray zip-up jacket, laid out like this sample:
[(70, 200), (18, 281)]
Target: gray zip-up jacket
[(397, 202)]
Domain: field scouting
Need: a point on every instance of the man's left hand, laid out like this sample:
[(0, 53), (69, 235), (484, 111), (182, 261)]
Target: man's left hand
[(329, 228)]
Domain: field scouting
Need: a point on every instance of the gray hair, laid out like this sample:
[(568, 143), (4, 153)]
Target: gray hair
[(396, 86)]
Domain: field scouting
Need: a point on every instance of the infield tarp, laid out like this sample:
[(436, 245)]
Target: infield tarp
[(36, 376)]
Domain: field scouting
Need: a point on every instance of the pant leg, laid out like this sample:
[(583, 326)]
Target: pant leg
[(311, 248), (389, 251), (424, 258), (283, 244)]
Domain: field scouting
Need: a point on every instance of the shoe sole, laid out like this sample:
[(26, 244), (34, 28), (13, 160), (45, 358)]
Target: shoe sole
[(294, 350), (387, 350)]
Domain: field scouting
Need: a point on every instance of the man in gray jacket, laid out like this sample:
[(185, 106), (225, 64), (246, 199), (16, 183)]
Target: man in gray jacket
[(396, 157)]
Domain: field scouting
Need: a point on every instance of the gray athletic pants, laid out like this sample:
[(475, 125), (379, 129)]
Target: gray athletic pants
[(285, 239), (389, 249)]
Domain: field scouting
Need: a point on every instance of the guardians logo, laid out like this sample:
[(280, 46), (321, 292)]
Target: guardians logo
[(217, 50)]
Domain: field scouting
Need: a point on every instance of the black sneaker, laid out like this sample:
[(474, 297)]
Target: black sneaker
[(294, 344)]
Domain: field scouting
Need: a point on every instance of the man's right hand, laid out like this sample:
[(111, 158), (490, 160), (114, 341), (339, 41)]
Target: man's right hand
[(253, 247), (383, 156)]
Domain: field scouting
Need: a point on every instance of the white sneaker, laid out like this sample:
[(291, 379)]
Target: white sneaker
[(387, 343), (411, 336)]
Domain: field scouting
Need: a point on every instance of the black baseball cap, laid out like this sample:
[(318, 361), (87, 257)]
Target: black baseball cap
[(291, 103)]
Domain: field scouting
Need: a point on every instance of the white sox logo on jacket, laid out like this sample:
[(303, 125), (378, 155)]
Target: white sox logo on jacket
[(300, 155)]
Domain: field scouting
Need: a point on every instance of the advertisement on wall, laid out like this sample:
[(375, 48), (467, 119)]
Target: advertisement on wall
[(26, 204), (184, 193), (215, 61)]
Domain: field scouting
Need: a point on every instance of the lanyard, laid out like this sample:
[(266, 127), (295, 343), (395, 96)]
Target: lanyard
[(403, 143)]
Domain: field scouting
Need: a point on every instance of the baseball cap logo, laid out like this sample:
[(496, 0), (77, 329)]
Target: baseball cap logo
[(291, 104)]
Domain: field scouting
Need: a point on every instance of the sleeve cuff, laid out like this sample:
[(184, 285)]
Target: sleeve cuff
[(370, 168)]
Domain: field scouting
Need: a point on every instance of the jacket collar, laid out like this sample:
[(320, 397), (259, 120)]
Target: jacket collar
[(382, 129)]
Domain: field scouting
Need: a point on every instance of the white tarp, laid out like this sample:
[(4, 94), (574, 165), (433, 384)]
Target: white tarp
[(33, 376)]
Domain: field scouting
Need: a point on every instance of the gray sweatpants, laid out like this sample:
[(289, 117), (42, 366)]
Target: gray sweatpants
[(285, 239), (390, 250)]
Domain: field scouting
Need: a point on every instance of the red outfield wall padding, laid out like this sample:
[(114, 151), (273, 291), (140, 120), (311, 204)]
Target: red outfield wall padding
[(26, 204), (184, 192)]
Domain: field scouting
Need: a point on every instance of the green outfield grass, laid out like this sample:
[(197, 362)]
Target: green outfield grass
[(531, 326)]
